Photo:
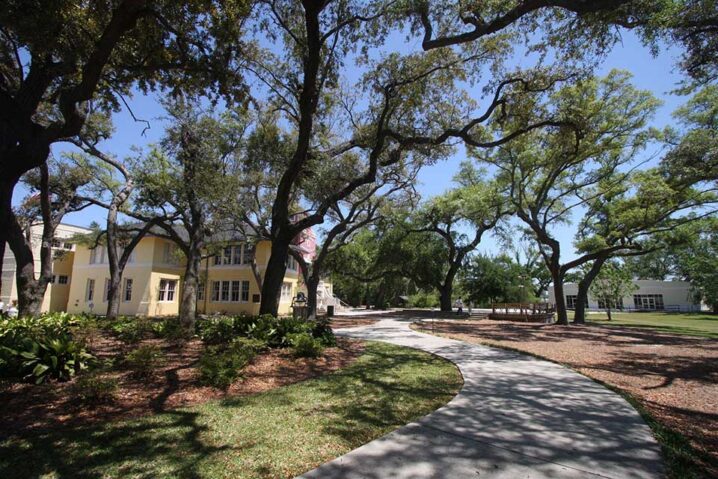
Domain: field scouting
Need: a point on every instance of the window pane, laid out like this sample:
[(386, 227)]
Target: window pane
[(225, 290), (90, 289), (227, 255), (235, 291), (237, 257), (245, 291), (171, 290), (248, 253), (215, 290), (128, 289)]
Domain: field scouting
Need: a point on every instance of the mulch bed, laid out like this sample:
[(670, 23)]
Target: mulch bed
[(28, 407), (339, 322), (675, 377)]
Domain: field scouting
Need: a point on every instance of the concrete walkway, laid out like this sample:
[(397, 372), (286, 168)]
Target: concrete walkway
[(515, 417)]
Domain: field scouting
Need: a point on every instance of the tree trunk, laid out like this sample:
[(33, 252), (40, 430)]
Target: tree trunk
[(274, 276), (608, 313), (188, 304), (445, 297), (579, 316), (559, 298), (312, 286), (113, 293)]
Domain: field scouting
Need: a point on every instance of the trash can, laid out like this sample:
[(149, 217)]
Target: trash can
[(330, 310)]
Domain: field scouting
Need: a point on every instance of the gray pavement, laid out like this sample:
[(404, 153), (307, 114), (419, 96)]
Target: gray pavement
[(515, 417)]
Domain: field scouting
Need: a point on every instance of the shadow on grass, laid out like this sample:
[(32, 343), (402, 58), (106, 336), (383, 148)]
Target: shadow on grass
[(170, 443), (393, 387)]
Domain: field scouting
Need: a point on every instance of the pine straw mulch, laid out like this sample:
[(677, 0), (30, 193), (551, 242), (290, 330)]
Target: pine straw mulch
[(28, 407), (674, 377)]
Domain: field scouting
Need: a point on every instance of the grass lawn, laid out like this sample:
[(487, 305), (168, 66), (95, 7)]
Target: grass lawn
[(696, 324), (279, 433)]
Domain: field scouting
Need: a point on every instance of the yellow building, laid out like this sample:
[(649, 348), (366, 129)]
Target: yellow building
[(63, 251), (153, 277)]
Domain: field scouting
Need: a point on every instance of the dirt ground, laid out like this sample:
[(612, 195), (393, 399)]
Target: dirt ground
[(175, 384), (675, 377)]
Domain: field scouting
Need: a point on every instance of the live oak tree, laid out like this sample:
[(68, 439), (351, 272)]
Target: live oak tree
[(475, 206), (486, 279), (611, 285), (391, 107), (54, 186), (110, 187), (61, 60), (693, 156), (555, 171), (365, 206), (187, 183)]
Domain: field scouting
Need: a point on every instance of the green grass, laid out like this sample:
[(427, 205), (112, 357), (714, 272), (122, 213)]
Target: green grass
[(280, 433), (695, 324)]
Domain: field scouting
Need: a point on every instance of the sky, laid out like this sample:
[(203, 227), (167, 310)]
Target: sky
[(657, 74)]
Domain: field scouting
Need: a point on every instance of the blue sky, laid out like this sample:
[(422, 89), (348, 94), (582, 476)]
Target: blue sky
[(657, 74)]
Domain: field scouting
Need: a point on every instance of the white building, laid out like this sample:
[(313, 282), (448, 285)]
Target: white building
[(63, 252), (650, 296)]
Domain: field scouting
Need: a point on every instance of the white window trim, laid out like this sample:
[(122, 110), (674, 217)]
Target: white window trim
[(229, 296), (166, 281)]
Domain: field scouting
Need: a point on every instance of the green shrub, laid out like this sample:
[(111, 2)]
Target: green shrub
[(216, 329), (322, 330), (94, 389), (37, 349), (305, 346), (144, 360), (424, 300), (131, 330), (169, 328), (273, 331), (221, 365)]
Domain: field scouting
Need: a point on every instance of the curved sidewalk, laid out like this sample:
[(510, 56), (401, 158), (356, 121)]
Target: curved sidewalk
[(515, 417)]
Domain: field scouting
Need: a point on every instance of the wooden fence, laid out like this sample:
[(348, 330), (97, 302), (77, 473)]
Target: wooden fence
[(529, 312)]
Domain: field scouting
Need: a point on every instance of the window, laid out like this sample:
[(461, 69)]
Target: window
[(286, 292), (52, 280), (237, 254), (217, 259), (227, 259), (248, 257), (230, 291), (170, 254), (106, 291), (612, 304), (90, 290), (67, 245), (245, 291), (225, 291), (200, 291), (56, 243), (167, 290), (291, 263), (648, 301), (63, 279), (571, 301), (128, 289), (97, 255)]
